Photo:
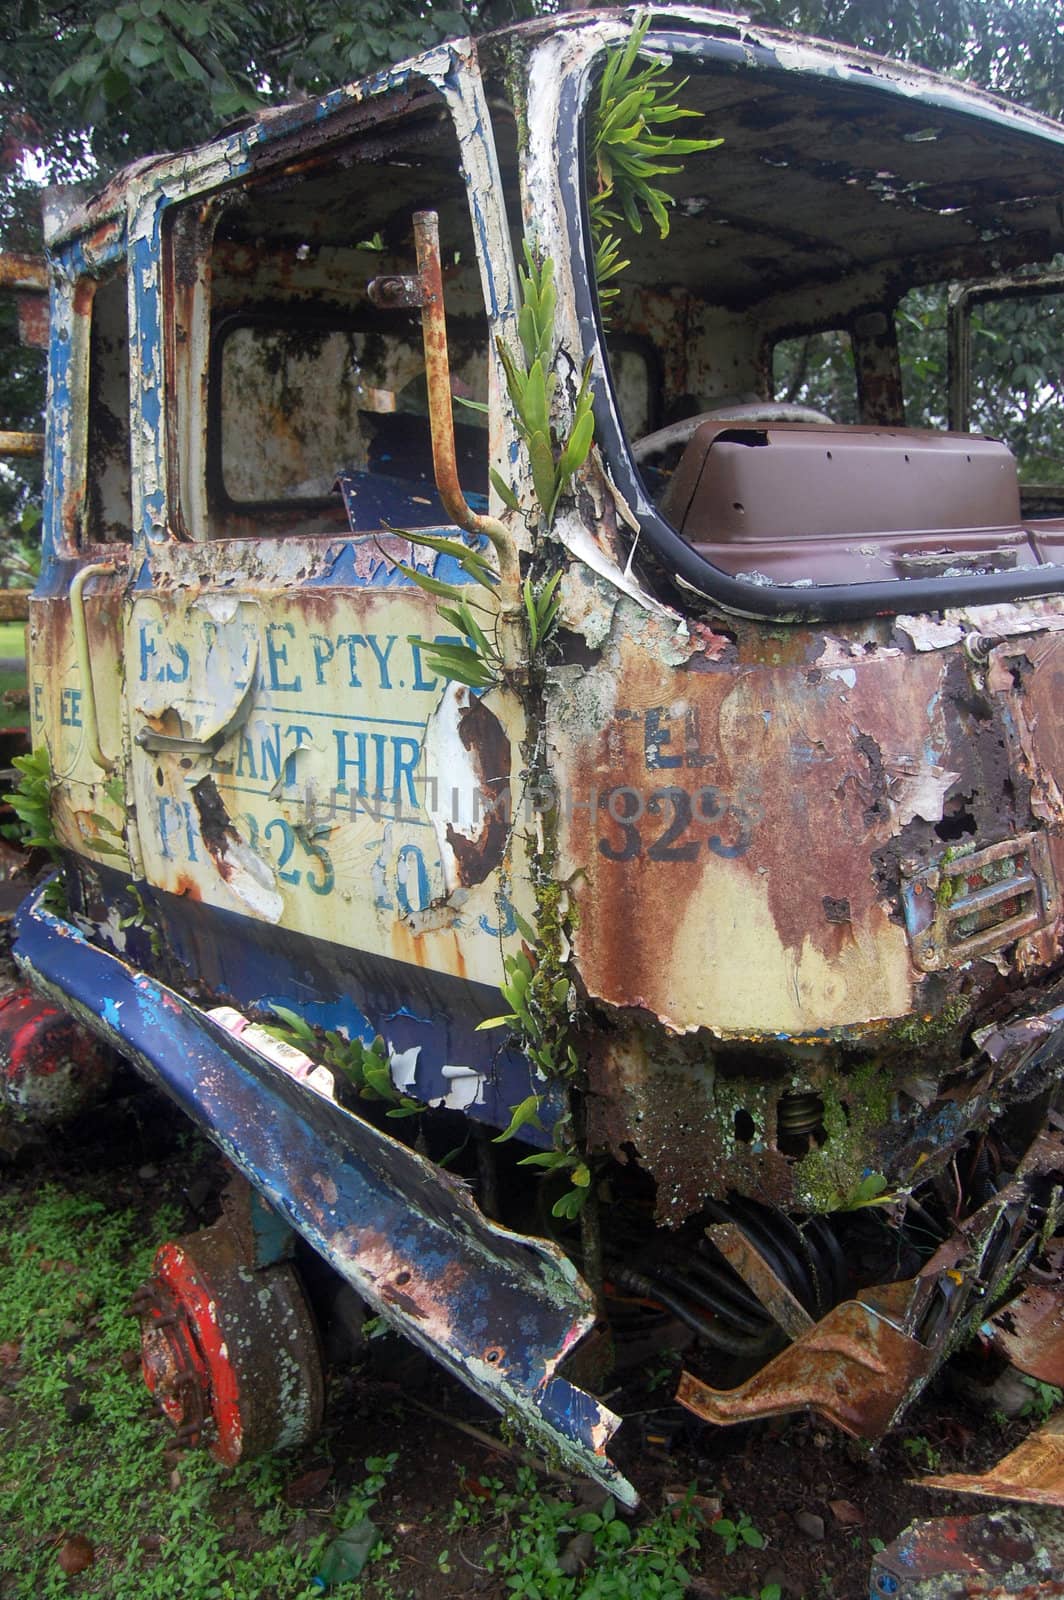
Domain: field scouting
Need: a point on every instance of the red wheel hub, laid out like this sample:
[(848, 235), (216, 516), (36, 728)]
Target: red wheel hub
[(183, 1356), (230, 1354)]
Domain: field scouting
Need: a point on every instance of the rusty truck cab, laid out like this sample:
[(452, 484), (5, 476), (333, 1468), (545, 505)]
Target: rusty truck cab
[(745, 788)]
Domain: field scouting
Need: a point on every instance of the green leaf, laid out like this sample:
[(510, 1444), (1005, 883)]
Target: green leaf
[(141, 54), (85, 70), (531, 615), (534, 408), (524, 1115), (504, 491), (296, 1023), (449, 591), (577, 447), (470, 672), (108, 27), (471, 561), (544, 478), (193, 68), (570, 1205)]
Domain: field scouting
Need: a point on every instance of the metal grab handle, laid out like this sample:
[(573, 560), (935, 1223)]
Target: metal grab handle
[(21, 444), (96, 569)]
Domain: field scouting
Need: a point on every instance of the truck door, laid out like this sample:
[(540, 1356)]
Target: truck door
[(293, 757)]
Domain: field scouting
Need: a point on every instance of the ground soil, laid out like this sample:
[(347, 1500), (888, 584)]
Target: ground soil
[(782, 1476)]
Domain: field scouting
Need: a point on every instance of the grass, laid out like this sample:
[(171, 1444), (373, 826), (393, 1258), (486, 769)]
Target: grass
[(67, 1268), (84, 1454), (619, 1561), (12, 640)]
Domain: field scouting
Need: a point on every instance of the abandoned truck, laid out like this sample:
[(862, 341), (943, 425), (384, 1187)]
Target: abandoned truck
[(553, 603)]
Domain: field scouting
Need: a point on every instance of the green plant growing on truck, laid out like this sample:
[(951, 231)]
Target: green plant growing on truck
[(532, 385), (627, 150), (31, 802), (365, 1067)]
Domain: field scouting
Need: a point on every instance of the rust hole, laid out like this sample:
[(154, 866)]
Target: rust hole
[(745, 1127), (401, 1278), (494, 1354)]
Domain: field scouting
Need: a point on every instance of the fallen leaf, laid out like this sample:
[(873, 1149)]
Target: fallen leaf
[(9, 1353), (478, 1490), (847, 1513), (708, 1505), (302, 1490), (75, 1554)]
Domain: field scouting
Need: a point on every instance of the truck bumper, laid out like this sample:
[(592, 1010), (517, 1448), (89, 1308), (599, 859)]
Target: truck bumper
[(498, 1309)]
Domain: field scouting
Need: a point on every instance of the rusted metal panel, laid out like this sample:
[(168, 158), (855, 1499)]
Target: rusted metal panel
[(295, 760), (972, 1558), (1033, 1472), (865, 1361), (1029, 1331), (750, 1263), (34, 320), (746, 839), (853, 1368)]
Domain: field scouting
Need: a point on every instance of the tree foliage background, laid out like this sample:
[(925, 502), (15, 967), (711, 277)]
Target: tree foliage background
[(86, 85)]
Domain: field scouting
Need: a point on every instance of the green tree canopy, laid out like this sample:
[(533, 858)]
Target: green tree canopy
[(86, 85)]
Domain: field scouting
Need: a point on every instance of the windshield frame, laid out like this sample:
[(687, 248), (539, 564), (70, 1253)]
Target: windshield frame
[(674, 556)]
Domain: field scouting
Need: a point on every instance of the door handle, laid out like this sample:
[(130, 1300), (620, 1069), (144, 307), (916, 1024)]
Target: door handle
[(95, 569)]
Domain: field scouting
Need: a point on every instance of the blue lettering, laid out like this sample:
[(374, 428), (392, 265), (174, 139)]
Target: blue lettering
[(346, 763), (168, 822), (411, 880), (190, 830), (405, 768), (302, 736), (147, 651), (507, 923), (277, 656), (70, 708), (352, 641), (421, 682), (270, 750), (180, 654), (245, 761), (323, 653), (382, 658), (380, 741)]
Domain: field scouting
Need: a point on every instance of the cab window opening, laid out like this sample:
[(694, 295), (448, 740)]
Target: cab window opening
[(316, 415), (798, 308)]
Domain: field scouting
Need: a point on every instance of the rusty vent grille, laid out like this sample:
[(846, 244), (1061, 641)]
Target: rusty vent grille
[(969, 904)]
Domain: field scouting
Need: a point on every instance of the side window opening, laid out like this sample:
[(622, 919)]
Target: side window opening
[(108, 516), (317, 414), (1015, 386)]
